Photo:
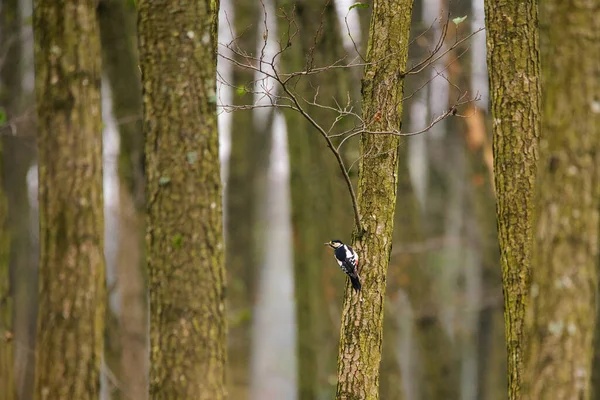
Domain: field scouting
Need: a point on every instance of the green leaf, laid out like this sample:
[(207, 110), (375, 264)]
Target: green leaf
[(241, 91), (192, 156), (358, 5), (212, 99), (164, 180), (458, 20), (2, 116)]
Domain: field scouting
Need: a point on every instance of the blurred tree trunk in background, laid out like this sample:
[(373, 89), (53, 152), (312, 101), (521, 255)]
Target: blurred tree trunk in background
[(483, 234), (319, 203), (565, 264), (120, 63), (513, 62), (437, 370), (249, 149), (10, 95), (362, 318), (438, 367), (18, 145), (185, 246), (72, 285), (7, 359)]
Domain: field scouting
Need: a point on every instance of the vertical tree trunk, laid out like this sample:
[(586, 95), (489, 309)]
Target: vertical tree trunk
[(362, 319), (184, 228), (513, 61), (10, 94), (117, 20), (72, 287), (565, 277), (7, 359)]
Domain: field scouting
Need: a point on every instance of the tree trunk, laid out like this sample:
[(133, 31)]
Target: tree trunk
[(72, 286), (10, 94), (120, 63), (565, 279), (513, 62), (246, 163), (184, 228), (362, 318), (7, 359)]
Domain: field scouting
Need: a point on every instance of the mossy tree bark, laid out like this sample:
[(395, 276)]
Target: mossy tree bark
[(362, 318), (184, 238), (564, 290), (117, 20), (10, 94), (513, 63), (72, 287)]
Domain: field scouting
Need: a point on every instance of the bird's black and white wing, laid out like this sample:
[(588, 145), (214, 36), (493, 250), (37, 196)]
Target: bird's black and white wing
[(351, 256)]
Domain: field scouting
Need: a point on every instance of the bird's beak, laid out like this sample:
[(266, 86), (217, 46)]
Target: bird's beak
[(328, 244)]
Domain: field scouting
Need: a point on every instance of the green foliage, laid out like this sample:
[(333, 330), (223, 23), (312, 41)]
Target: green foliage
[(358, 5), (2, 116), (164, 180), (458, 20)]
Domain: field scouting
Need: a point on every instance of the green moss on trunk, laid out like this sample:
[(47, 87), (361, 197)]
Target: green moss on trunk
[(362, 319), (565, 262), (184, 238), (513, 60), (72, 287)]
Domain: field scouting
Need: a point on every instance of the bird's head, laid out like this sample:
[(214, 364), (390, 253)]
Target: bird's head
[(334, 244)]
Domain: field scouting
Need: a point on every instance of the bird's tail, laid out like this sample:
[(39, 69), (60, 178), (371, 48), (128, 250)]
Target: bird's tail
[(355, 282)]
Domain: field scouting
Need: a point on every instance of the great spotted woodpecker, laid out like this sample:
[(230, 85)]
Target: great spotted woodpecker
[(347, 259)]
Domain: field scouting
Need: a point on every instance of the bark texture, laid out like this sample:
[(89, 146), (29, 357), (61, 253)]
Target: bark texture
[(72, 286), (184, 236), (382, 89), (117, 20), (565, 276), (513, 62)]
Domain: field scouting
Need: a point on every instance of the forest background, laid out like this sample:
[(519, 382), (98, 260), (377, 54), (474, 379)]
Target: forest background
[(283, 196)]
